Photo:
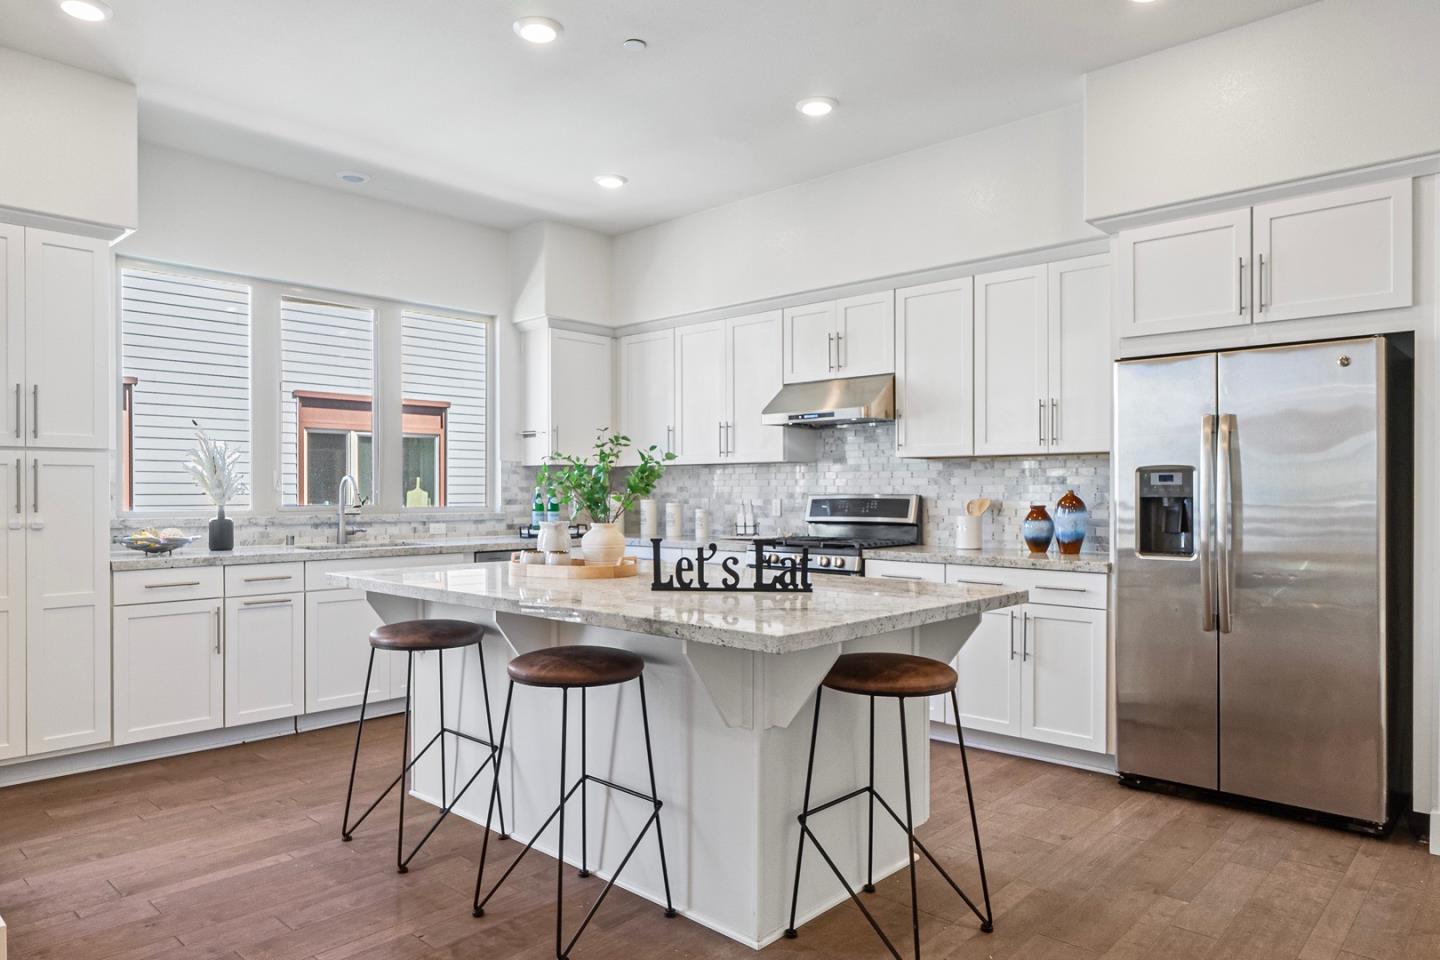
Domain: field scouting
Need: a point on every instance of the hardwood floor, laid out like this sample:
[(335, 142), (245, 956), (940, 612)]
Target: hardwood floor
[(234, 854)]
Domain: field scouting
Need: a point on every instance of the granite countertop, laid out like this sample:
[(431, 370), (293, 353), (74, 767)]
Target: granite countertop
[(196, 556), (840, 609), (731, 544), (996, 556)]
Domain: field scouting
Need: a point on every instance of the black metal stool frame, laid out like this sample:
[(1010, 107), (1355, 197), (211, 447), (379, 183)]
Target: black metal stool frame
[(347, 829), (562, 952), (987, 923)]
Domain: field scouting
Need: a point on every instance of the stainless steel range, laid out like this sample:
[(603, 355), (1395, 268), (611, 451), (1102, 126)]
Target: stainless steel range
[(840, 528)]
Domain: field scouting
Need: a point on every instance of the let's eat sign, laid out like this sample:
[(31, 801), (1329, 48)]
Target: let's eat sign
[(792, 574)]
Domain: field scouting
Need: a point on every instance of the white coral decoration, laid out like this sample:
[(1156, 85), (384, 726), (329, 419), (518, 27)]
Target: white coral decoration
[(214, 466)]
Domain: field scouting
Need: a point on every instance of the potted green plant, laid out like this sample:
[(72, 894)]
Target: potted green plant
[(585, 483)]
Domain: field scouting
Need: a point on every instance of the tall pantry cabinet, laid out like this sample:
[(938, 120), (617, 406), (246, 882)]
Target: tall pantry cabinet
[(56, 345)]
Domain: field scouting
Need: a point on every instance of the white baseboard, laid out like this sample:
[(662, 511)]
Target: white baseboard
[(335, 718), (1029, 749)]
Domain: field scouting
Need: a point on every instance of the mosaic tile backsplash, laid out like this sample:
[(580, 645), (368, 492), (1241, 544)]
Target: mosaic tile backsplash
[(857, 459)]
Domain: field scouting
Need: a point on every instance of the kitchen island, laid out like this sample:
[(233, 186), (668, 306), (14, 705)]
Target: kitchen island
[(727, 675)]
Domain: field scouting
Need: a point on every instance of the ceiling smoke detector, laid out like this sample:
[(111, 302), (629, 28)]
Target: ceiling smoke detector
[(353, 176)]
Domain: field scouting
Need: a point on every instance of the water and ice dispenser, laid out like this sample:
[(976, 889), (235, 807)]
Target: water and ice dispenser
[(1166, 517)]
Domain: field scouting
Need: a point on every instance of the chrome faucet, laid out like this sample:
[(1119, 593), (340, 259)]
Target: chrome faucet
[(343, 531)]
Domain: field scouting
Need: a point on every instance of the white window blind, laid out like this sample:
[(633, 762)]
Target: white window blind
[(185, 342), (444, 362)]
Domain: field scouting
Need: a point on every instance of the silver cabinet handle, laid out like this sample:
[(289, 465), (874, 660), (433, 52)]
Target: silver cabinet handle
[(19, 494), (1240, 285), (669, 438), (1025, 640), (529, 434), (1054, 416), (839, 351), (1012, 633), (555, 437), (1207, 474), (1041, 586), (898, 576), (1225, 519), (35, 485), (173, 583), (267, 603), (19, 413), (1040, 422), (729, 439), (35, 411), (277, 576), (720, 437), (1260, 293), (982, 583), (217, 631), (830, 351)]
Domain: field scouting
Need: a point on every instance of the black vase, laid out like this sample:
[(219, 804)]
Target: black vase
[(222, 532)]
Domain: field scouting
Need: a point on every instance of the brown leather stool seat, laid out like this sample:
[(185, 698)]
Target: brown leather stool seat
[(426, 635), (890, 675), (575, 666)]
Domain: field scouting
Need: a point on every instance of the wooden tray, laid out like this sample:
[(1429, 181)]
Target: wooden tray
[(573, 571)]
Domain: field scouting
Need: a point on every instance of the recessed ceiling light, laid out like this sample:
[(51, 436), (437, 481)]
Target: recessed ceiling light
[(91, 11), (611, 181), (538, 29), (634, 44), (817, 106), (353, 176)]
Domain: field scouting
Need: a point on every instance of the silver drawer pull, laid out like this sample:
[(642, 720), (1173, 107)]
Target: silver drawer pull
[(899, 576), (268, 603), (278, 576), (1042, 586), (982, 583), (176, 583)]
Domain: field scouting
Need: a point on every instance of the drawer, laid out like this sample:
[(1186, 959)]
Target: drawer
[(317, 572), (252, 579), (158, 586), (1058, 587), (905, 570)]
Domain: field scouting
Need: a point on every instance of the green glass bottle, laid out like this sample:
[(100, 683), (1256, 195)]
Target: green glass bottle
[(552, 506), (537, 509)]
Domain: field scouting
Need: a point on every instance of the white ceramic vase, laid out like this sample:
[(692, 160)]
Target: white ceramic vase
[(603, 544), (554, 537)]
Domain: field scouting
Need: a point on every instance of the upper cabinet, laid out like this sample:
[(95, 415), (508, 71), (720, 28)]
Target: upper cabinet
[(1078, 354), (700, 392), (852, 337), (1345, 251), (567, 391), (753, 375), (934, 369), (55, 331), (647, 390)]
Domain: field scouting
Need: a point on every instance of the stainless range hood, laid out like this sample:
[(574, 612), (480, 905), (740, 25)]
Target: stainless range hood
[(828, 403)]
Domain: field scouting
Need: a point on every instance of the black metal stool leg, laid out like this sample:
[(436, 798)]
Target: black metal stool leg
[(988, 923), (909, 829), (584, 799), (444, 780), (490, 733), (804, 813), (345, 827), (870, 857), (560, 848), (400, 866), (655, 797), (478, 909)]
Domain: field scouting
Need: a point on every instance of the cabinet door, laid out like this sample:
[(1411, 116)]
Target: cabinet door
[(68, 599), (1011, 399), (535, 420), (934, 370), (68, 340), (809, 346), (700, 392), (1079, 355), (337, 650), (754, 375), (12, 607), (579, 374), (1189, 275), (865, 334), (12, 334), (647, 390), (169, 670), (988, 665), (1063, 676), (1339, 252), (264, 658)]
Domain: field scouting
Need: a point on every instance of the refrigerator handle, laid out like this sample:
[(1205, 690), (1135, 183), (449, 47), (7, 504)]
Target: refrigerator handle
[(1206, 521), (1225, 508)]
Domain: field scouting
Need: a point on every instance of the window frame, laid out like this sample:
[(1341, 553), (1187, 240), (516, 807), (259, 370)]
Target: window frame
[(266, 414)]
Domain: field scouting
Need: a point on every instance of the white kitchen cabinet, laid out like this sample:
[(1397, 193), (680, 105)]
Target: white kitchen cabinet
[(755, 373), (1063, 676), (12, 334), (700, 392), (567, 392), (1192, 274), (12, 607), (67, 598), (851, 337), (934, 369), (1078, 369), (264, 657), (337, 649), (169, 669), (647, 390), (1345, 251), (989, 670), (1011, 392), (68, 341)]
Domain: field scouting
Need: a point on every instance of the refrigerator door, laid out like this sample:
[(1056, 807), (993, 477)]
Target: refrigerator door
[(1302, 682), (1165, 641)]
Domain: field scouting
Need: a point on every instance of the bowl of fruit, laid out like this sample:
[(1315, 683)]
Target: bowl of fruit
[(156, 541)]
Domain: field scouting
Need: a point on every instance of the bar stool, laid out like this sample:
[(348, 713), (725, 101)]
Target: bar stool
[(901, 676), (566, 668), (411, 637)]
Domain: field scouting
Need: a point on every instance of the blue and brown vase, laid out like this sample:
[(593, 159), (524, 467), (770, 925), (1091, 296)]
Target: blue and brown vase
[(1038, 529), (1071, 518)]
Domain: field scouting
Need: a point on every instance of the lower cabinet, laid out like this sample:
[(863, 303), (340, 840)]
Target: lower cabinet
[(337, 650), (264, 658), (169, 669)]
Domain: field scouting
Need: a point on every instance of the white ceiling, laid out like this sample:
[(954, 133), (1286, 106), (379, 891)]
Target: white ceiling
[(447, 109)]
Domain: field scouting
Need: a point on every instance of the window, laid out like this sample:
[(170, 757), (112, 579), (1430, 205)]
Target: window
[(185, 361), (445, 381), (327, 381)]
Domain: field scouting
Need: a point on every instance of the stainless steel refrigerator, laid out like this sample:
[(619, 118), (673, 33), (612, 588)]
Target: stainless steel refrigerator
[(1263, 543)]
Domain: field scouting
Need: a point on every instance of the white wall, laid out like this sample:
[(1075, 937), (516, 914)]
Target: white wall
[(69, 142), (560, 271), (1004, 190), (1331, 86)]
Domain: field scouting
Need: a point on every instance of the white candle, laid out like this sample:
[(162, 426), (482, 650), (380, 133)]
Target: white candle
[(672, 520), (649, 519)]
